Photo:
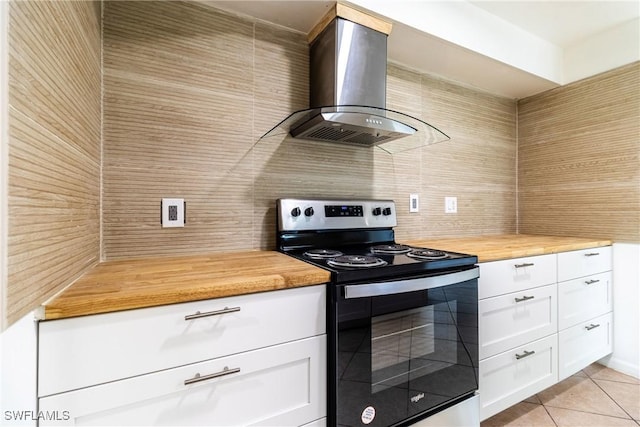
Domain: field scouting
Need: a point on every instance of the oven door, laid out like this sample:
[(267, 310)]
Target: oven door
[(402, 350)]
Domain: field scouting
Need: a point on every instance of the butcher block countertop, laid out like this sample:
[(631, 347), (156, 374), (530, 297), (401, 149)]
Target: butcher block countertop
[(127, 284), (505, 246), (138, 283)]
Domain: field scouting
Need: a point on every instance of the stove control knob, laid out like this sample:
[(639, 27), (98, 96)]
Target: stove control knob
[(295, 212), (376, 211), (308, 212), (386, 211)]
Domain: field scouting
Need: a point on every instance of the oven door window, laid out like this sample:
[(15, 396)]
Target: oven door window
[(404, 355)]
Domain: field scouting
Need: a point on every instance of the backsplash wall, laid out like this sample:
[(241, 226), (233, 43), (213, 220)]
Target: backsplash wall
[(188, 90), (54, 149), (579, 158)]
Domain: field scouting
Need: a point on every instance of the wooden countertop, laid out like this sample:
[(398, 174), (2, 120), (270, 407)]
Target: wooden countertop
[(138, 283), (127, 284), (505, 246)]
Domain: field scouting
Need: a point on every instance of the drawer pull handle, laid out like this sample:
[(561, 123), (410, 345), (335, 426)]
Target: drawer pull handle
[(591, 282), (524, 264), (591, 326), (592, 253), (525, 354), (197, 378), (198, 315), (524, 298)]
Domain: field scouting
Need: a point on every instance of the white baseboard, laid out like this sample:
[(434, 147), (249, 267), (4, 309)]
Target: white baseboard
[(621, 366)]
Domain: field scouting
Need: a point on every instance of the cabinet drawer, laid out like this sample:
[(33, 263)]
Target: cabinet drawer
[(586, 262), (584, 343), (508, 321), (508, 378), (503, 277), (90, 350), (283, 385), (584, 298)]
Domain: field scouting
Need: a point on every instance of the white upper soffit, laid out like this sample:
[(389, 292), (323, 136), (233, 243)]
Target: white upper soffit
[(511, 48), (563, 23)]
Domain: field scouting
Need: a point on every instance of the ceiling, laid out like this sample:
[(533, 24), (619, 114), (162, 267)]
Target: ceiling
[(299, 15), (557, 24), (563, 23)]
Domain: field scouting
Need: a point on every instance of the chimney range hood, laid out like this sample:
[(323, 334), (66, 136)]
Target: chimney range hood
[(348, 73)]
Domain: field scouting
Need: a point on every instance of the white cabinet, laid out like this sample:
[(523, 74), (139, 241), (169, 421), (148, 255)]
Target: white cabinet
[(584, 305), (264, 364), (518, 325), (581, 299), (281, 385), (583, 262), (585, 343), (134, 342), (541, 319), (517, 274), (509, 377), (510, 320)]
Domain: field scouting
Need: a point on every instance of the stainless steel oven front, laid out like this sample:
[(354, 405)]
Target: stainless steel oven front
[(402, 350)]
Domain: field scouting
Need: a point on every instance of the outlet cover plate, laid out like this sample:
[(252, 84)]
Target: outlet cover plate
[(172, 213), (414, 203), (450, 205)]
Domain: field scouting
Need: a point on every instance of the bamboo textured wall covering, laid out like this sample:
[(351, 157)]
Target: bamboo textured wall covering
[(54, 148), (188, 92), (579, 158)]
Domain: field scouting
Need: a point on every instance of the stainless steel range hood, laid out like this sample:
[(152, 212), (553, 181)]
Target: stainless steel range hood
[(348, 73)]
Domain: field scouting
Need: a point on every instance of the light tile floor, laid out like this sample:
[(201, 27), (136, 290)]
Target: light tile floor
[(596, 396)]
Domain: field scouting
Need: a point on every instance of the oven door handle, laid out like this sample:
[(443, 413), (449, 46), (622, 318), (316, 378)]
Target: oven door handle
[(409, 285)]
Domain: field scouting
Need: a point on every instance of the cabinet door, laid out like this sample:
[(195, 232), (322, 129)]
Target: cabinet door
[(508, 321), (583, 344), (511, 275), (509, 377), (586, 262), (85, 351), (584, 298), (282, 385)]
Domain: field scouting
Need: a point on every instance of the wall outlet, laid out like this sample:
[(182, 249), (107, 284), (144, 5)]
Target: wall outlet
[(172, 213), (450, 205), (414, 203)]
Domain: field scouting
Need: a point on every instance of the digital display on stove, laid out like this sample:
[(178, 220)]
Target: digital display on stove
[(331, 211)]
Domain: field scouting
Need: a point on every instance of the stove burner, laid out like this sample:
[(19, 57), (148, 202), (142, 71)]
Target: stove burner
[(391, 249), (427, 254), (322, 253), (356, 261)]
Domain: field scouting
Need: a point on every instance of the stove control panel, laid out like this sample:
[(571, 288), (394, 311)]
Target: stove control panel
[(342, 210), (309, 214)]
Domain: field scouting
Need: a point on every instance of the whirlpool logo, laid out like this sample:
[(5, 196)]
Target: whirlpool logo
[(417, 397)]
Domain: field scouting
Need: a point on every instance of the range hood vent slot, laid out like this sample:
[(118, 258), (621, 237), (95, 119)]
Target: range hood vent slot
[(348, 89), (367, 139), (329, 133)]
